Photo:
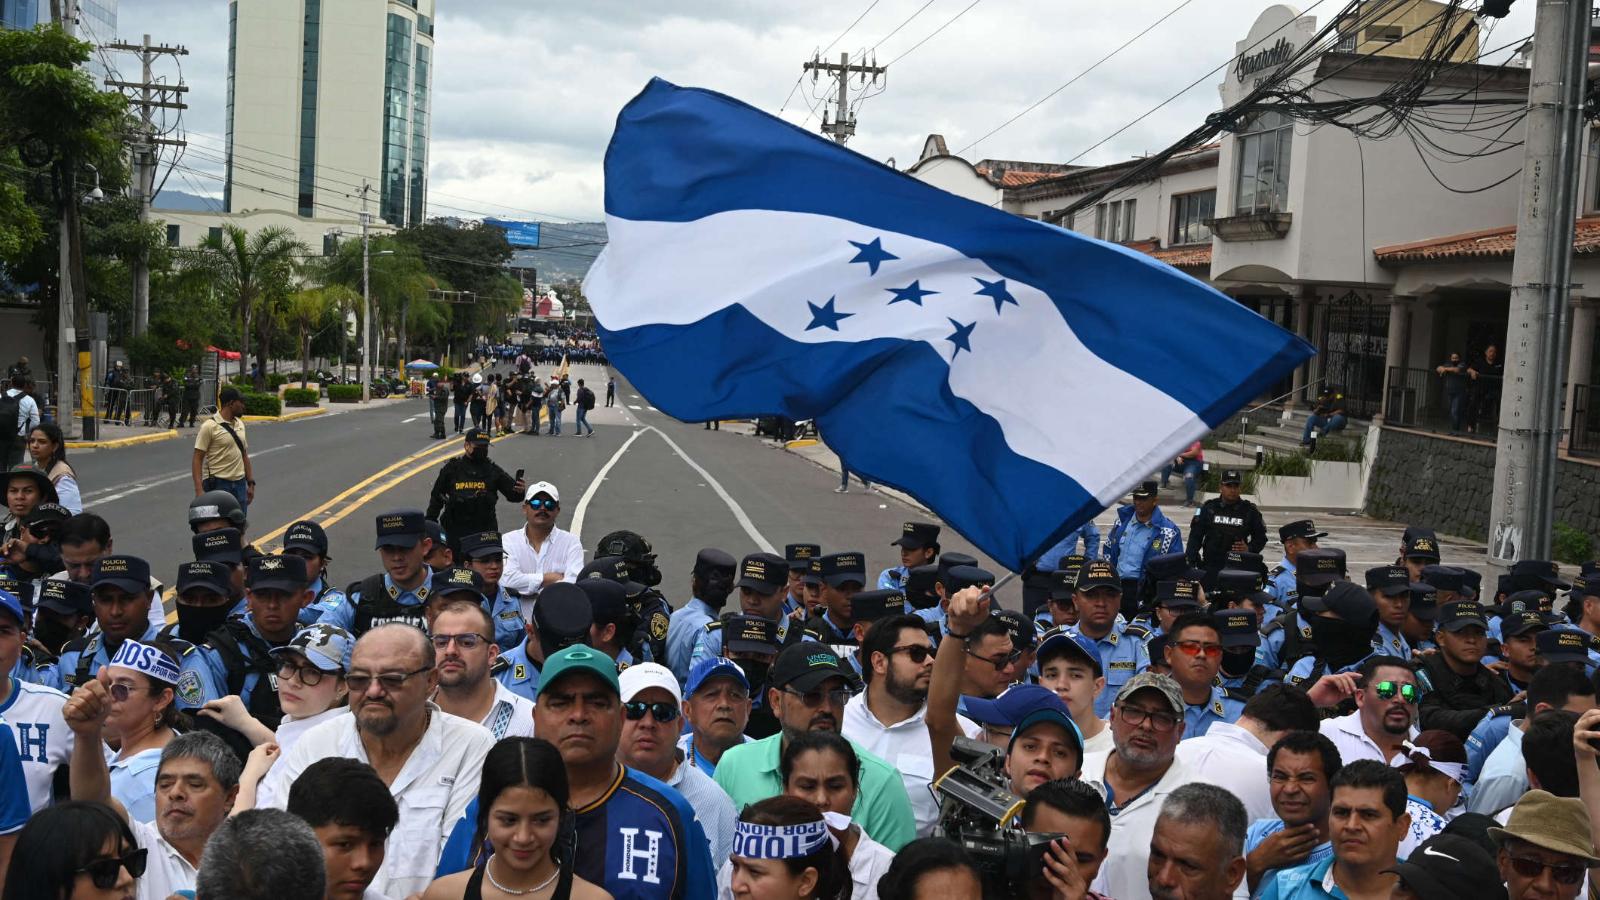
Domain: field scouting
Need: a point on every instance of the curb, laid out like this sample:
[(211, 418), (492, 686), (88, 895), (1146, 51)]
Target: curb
[(122, 442), (288, 417)]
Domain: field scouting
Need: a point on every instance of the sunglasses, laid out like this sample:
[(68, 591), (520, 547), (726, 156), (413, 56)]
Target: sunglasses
[(310, 676), (999, 662), (836, 697), (1528, 867), (1387, 689), (918, 653), (1198, 648), (120, 692), (44, 531), (544, 504), (663, 712), (358, 682), (106, 872)]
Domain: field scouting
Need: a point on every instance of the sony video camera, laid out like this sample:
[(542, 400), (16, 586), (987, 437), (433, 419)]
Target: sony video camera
[(979, 812)]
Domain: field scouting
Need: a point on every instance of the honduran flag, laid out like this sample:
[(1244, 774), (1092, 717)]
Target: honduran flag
[(1013, 376)]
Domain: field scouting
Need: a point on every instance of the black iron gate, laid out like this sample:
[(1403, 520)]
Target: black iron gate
[(1354, 344)]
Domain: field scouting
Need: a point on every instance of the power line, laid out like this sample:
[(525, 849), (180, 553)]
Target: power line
[(902, 25), (848, 27), (947, 24)]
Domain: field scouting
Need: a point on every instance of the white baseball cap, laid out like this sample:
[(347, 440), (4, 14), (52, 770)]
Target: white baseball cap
[(541, 487), (640, 676)]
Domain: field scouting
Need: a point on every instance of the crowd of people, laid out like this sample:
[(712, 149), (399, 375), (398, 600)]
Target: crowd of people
[(512, 714), (511, 402)]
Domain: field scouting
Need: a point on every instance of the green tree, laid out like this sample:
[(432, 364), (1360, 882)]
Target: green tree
[(256, 272), (309, 310)]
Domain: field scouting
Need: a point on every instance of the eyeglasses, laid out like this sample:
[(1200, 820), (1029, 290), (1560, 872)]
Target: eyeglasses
[(919, 654), (1387, 689), (391, 681), (44, 531), (1196, 648), (999, 662), (836, 697), (120, 692), (663, 712), (1160, 720), (105, 872), (310, 676), (1528, 867), (468, 641), (543, 504)]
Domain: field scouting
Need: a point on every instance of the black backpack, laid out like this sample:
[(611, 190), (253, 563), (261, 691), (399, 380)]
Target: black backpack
[(586, 398)]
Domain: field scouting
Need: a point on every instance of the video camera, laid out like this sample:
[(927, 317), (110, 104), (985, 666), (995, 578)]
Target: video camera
[(979, 812)]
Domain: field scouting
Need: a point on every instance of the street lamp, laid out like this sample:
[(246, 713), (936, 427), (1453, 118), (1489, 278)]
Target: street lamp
[(366, 303)]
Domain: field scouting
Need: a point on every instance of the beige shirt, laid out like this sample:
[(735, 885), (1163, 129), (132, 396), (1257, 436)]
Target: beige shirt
[(222, 457)]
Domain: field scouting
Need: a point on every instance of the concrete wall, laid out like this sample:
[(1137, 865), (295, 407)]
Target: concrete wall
[(193, 226), (956, 175), (1152, 213), (1444, 484)]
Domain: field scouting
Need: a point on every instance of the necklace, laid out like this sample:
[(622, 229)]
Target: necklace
[(488, 870)]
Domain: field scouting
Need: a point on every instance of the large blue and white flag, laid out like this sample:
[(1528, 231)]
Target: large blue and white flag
[(1015, 377)]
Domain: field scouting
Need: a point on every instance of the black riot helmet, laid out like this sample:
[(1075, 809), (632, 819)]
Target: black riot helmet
[(632, 547)]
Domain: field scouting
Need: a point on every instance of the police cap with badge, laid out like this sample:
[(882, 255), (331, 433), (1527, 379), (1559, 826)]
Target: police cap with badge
[(1563, 644), (1392, 581), (403, 528), (127, 573), (1229, 585), (613, 568), (277, 573), (1519, 624), (307, 536), (749, 634), (1245, 561), (1177, 594), (1316, 569), (1064, 580), (1237, 628), (482, 545), (1023, 634), (1538, 575), (870, 606), (225, 545), (959, 578), (458, 582), (764, 573), (1098, 574), (1461, 614), (1300, 529), (1420, 543), (799, 556), (66, 598), (608, 605), (840, 569), (917, 536), (211, 577)]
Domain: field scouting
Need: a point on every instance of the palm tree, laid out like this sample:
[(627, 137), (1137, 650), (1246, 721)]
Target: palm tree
[(308, 309), (254, 271), (400, 287)]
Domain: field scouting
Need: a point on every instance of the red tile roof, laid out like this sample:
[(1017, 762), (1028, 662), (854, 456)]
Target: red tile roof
[(1196, 256), (1492, 243), (1017, 177)]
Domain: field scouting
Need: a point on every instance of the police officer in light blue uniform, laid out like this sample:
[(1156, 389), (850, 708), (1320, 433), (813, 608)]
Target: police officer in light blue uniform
[(843, 576), (59, 601), (1239, 631), (236, 656), (1296, 537), (1098, 598), (799, 557), (483, 554), (561, 618), (1288, 637), (712, 582), (763, 579), (919, 545), (1193, 659), (120, 586), (203, 601), (403, 545), (1058, 610), (934, 614), (1391, 589), (308, 541), (224, 547), (1341, 635)]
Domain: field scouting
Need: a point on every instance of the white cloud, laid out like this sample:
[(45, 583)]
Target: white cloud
[(525, 94)]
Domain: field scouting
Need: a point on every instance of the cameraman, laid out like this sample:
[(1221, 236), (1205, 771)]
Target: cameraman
[(1077, 812), (1044, 745)]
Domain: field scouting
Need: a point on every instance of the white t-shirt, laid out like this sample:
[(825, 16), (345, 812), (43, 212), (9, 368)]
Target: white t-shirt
[(44, 741), (1123, 875), (165, 869), (291, 729), (1100, 743)]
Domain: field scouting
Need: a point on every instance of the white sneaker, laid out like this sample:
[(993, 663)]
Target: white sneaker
[(841, 490)]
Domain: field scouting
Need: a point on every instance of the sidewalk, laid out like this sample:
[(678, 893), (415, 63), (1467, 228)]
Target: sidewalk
[(1367, 542), (113, 435)]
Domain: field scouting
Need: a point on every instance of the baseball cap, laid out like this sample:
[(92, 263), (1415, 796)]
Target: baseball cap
[(948, 561), (870, 606), (710, 559), (1346, 600), (813, 572), (1522, 623), (1154, 680), (47, 513), (1012, 706), (307, 536), (749, 634), (1448, 578), (1424, 601), (541, 487), (12, 604), (799, 556), (130, 573), (764, 573), (612, 568), (1300, 528), (323, 645), (67, 598), (804, 666), (277, 573), (1237, 628), (400, 528), (1146, 490), (482, 543), (1461, 614), (640, 677), (1063, 640), (1562, 644), (1231, 476), (225, 545), (1448, 867), (1420, 543), (713, 667), (1228, 584), (842, 568), (433, 531), (1390, 581), (209, 576), (919, 586), (577, 658), (916, 536), (1177, 594), (458, 581), (1558, 824), (1320, 567), (1097, 574), (562, 615), (477, 436)]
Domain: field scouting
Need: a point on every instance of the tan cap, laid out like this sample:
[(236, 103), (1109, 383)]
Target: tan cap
[(1163, 683), (1558, 824)]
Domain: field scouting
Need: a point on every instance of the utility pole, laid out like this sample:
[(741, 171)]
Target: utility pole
[(1541, 274), (65, 14), (366, 301), (147, 95), (843, 126)]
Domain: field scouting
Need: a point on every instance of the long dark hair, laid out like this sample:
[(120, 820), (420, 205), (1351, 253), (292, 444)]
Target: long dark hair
[(53, 432), (833, 872), (57, 842), (526, 762), (820, 741)]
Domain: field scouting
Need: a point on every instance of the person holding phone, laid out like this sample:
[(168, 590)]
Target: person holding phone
[(463, 497)]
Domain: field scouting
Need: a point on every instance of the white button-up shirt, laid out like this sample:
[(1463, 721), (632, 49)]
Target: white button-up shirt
[(165, 870), (1233, 759), (526, 567), (510, 716), (1352, 740), (906, 746), (438, 780), (1124, 874)]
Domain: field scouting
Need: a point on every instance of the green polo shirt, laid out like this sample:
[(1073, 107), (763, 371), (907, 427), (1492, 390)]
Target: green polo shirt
[(749, 773)]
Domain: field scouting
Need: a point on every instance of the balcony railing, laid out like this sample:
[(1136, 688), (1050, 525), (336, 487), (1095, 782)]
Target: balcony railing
[(1418, 399)]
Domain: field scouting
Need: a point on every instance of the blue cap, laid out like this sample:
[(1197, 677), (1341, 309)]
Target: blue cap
[(713, 667), (1044, 715), (1010, 708), (1064, 639), (11, 604)]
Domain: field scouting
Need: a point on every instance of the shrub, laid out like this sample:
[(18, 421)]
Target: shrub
[(344, 393), (1334, 449), (1572, 545), (300, 396), (262, 404), (241, 380), (1211, 479)]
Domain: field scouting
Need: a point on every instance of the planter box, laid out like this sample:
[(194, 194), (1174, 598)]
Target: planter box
[(1331, 485)]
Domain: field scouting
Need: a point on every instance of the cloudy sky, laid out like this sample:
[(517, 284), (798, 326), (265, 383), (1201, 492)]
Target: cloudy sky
[(525, 91)]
